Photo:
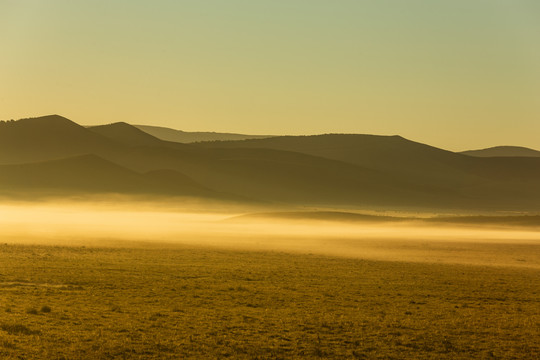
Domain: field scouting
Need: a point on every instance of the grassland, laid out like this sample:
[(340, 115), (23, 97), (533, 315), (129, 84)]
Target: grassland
[(166, 301)]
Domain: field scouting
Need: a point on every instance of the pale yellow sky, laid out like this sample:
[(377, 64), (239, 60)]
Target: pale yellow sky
[(455, 74)]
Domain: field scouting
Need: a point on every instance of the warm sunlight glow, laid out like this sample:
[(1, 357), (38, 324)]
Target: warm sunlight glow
[(92, 225), (455, 74), (270, 179)]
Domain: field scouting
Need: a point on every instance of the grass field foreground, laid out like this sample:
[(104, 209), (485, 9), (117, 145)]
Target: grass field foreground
[(145, 302)]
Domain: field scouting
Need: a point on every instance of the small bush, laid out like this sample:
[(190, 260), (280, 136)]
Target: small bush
[(32, 311), (45, 309)]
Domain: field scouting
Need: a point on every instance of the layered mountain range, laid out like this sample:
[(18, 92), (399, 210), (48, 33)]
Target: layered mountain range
[(54, 156)]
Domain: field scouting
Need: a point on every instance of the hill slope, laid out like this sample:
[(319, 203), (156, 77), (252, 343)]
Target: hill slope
[(398, 157), (125, 134), (92, 174), (326, 170), (441, 173), (48, 137), (180, 136), (377, 152), (503, 151), (264, 174)]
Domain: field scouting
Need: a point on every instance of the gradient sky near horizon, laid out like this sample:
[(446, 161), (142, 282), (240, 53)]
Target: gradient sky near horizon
[(456, 74)]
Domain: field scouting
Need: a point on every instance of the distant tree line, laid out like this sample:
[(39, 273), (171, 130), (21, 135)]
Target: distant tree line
[(12, 120)]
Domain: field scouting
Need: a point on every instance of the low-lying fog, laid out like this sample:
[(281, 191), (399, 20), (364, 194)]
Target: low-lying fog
[(137, 224)]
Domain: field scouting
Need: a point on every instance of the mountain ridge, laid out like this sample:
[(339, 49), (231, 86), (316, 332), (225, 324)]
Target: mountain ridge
[(323, 170), (169, 134), (503, 151), (90, 173)]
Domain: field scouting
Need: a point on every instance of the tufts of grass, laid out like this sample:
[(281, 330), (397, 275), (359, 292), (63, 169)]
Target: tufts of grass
[(8, 345), (18, 329), (301, 307), (32, 311), (156, 316)]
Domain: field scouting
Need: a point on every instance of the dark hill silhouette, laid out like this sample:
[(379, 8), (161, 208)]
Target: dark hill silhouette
[(92, 174), (129, 135), (332, 216), (180, 136), (503, 151), (394, 155), (126, 134), (54, 137), (410, 161), (335, 170), (278, 176), (492, 221), (286, 176), (48, 137), (526, 221), (264, 174)]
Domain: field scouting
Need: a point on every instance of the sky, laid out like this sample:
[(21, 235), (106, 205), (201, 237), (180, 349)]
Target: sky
[(457, 74)]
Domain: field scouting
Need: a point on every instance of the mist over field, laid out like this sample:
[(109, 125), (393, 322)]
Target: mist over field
[(269, 180), (211, 245), (121, 277), (153, 224)]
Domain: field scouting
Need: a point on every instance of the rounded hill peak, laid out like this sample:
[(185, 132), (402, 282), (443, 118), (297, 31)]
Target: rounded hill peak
[(43, 122)]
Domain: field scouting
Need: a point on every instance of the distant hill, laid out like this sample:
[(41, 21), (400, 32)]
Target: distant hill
[(126, 134), (92, 174), (433, 170), (180, 136), (327, 170), (331, 216), (348, 217), (46, 138), (261, 174), (503, 151), (131, 136), (372, 151), (395, 156)]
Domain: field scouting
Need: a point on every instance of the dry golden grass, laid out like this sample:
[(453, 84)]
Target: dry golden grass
[(175, 301)]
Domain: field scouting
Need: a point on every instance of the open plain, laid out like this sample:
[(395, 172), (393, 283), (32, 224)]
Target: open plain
[(269, 180), (296, 290)]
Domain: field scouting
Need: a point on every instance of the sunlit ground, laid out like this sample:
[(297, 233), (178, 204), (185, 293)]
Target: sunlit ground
[(156, 281)]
